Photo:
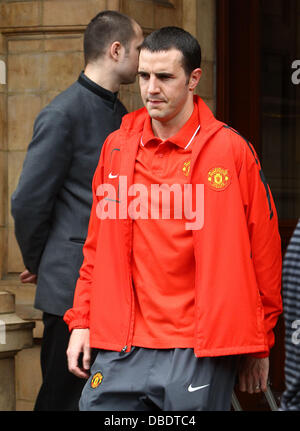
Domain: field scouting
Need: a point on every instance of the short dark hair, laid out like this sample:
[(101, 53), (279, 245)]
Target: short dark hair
[(167, 38), (105, 28)]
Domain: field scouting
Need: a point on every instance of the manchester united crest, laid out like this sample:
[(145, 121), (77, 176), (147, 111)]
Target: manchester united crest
[(218, 178), (96, 380), (186, 168)]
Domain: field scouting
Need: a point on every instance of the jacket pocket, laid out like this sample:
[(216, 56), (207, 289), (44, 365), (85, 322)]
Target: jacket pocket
[(77, 240)]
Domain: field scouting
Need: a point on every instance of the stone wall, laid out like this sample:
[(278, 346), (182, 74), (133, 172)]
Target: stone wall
[(41, 44)]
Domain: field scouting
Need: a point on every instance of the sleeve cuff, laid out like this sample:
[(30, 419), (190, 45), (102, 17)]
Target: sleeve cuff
[(75, 322)]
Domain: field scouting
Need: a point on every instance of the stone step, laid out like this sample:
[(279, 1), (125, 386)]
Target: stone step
[(18, 298), (7, 303), (15, 333)]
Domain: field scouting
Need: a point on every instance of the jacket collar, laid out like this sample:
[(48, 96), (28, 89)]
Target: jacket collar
[(109, 97), (133, 124)]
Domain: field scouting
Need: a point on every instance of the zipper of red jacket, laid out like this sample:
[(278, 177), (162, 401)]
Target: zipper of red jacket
[(129, 169), (128, 340), (127, 346)]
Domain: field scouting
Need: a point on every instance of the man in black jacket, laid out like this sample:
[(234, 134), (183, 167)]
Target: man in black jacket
[(52, 202)]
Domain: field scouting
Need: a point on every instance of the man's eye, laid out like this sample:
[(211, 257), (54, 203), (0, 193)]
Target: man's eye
[(143, 75), (164, 77)]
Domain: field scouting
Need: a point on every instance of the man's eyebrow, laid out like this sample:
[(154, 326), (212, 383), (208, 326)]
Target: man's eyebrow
[(169, 74), (158, 74)]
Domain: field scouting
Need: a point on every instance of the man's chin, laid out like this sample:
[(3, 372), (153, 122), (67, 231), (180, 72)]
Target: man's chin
[(158, 116), (155, 114), (129, 80)]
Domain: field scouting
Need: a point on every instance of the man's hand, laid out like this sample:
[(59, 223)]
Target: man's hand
[(28, 277), (79, 343), (253, 374)]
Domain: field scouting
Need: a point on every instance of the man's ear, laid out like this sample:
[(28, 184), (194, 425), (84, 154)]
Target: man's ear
[(194, 79), (115, 50)]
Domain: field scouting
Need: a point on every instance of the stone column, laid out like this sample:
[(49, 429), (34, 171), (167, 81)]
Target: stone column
[(15, 335), (206, 35)]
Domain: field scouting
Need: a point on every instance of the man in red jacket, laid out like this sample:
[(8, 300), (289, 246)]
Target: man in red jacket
[(180, 286)]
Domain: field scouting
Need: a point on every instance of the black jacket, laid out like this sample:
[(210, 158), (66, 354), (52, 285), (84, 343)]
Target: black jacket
[(51, 205)]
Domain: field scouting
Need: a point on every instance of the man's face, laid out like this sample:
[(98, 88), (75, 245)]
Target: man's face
[(130, 61), (163, 83)]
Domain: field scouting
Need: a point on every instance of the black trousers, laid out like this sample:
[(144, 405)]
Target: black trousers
[(60, 389)]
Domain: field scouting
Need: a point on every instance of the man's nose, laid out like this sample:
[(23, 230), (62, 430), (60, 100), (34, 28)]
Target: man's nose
[(153, 85)]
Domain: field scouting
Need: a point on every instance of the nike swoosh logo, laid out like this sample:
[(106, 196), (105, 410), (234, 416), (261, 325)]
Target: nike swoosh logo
[(191, 389), (111, 176)]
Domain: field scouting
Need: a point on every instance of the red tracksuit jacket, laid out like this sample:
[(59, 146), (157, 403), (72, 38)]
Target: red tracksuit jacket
[(237, 252)]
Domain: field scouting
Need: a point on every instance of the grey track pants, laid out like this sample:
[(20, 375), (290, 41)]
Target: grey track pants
[(164, 379)]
